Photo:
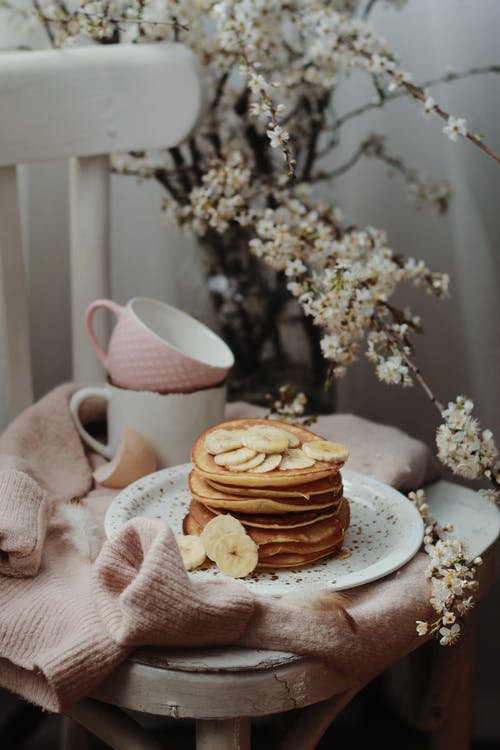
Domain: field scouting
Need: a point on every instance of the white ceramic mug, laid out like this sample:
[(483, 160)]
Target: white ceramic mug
[(171, 422)]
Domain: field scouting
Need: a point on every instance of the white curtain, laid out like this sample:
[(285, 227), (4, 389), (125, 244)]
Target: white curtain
[(460, 350)]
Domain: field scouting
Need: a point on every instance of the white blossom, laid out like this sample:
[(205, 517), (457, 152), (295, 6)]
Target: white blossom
[(277, 136), (429, 106), (455, 126), (449, 636), (422, 627)]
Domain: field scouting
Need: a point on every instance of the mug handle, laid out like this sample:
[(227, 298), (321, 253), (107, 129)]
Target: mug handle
[(74, 406), (89, 316)]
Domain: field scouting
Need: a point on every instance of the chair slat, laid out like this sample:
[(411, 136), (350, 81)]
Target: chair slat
[(96, 100), (89, 257), (14, 312)]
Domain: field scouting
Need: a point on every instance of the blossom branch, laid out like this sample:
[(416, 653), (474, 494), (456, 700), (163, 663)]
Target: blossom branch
[(98, 21), (317, 123), (338, 171), (401, 348), (398, 94), (400, 79), (369, 7), (461, 446), (182, 170), (45, 22), (452, 577), (418, 93)]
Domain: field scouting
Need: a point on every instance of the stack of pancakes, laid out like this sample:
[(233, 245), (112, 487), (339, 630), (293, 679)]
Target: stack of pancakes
[(295, 514)]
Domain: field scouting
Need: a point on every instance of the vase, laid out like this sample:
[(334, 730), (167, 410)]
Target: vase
[(273, 342)]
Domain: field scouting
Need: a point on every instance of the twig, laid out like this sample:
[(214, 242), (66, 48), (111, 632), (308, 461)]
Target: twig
[(409, 363), (163, 177), (317, 120), (356, 156), (195, 159), (369, 106), (115, 21), (257, 142), (369, 8), (219, 91), (182, 169), (418, 93), (45, 21)]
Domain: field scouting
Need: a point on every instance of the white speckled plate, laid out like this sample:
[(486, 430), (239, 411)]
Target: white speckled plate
[(385, 531)]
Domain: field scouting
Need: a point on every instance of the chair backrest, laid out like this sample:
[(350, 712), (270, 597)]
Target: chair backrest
[(82, 104)]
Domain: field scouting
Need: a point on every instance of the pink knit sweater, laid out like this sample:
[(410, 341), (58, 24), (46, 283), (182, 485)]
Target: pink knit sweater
[(66, 621)]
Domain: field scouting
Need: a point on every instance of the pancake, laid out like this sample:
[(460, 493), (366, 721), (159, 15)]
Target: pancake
[(282, 520), (205, 464), (292, 560), (268, 551), (204, 493), (315, 536), (190, 526), (319, 487)]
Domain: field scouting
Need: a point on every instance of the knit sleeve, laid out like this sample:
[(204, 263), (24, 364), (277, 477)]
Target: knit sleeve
[(145, 597), (23, 523)]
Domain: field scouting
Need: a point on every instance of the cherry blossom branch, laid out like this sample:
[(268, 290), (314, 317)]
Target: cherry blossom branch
[(325, 176), (401, 349), (45, 22), (277, 135), (485, 455), (64, 21), (417, 92), (369, 106), (369, 8), (317, 121)]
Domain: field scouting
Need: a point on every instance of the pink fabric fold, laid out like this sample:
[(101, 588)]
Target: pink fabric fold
[(145, 596), (383, 613), (65, 629)]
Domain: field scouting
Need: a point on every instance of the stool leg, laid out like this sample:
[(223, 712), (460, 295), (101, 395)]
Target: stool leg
[(223, 734), (73, 736), (455, 731), (112, 726), (313, 721), (447, 707)]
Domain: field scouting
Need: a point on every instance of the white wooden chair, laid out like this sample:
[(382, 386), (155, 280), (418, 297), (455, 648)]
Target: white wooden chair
[(83, 104), (80, 104)]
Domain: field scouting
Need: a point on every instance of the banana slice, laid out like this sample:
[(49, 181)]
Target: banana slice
[(216, 529), (293, 440), (221, 441), (236, 555), (295, 458), (271, 462), (324, 450), (265, 439), (258, 459), (192, 551), (235, 457)]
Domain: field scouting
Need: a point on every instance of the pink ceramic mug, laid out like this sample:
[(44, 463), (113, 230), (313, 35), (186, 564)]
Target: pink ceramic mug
[(156, 347)]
